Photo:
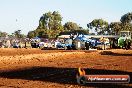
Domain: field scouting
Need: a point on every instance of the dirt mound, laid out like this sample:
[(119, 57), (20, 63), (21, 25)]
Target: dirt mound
[(26, 68), (107, 53)]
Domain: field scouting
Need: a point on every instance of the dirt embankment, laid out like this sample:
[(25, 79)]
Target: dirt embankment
[(26, 68)]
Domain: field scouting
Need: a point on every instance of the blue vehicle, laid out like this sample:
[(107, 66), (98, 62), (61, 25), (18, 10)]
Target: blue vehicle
[(67, 45), (79, 42), (94, 42)]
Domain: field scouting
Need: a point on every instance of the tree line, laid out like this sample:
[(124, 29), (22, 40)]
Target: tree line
[(50, 26), (102, 27), (16, 34)]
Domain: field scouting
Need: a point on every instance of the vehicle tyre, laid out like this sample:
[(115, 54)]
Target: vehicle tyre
[(87, 45)]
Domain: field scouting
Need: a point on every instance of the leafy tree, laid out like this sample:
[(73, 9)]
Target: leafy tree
[(50, 25), (99, 25), (126, 18), (126, 26), (115, 28), (18, 34), (3, 34), (31, 34), (0, 34), (70, 26)]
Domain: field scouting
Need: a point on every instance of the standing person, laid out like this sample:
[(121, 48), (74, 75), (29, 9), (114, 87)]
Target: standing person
[(126, 44), (8, 44), (87, 45), (25, 45)]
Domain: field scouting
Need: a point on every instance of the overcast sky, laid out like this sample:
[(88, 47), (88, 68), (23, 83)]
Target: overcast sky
[(25, 14)]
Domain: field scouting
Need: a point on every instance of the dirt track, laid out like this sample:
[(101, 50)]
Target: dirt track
[(34, 68)]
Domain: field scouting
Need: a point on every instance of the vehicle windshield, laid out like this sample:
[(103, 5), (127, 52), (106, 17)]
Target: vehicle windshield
[(124, 34)]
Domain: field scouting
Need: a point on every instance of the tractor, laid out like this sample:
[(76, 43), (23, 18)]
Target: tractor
[(125, 39)]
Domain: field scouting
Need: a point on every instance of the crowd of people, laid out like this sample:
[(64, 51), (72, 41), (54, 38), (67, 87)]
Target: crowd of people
[(28, 43)]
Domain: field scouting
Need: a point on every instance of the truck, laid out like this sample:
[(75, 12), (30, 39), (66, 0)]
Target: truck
[(80, 42), (66, 45)]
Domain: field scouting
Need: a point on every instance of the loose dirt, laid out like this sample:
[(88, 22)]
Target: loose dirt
[(35, 68)]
